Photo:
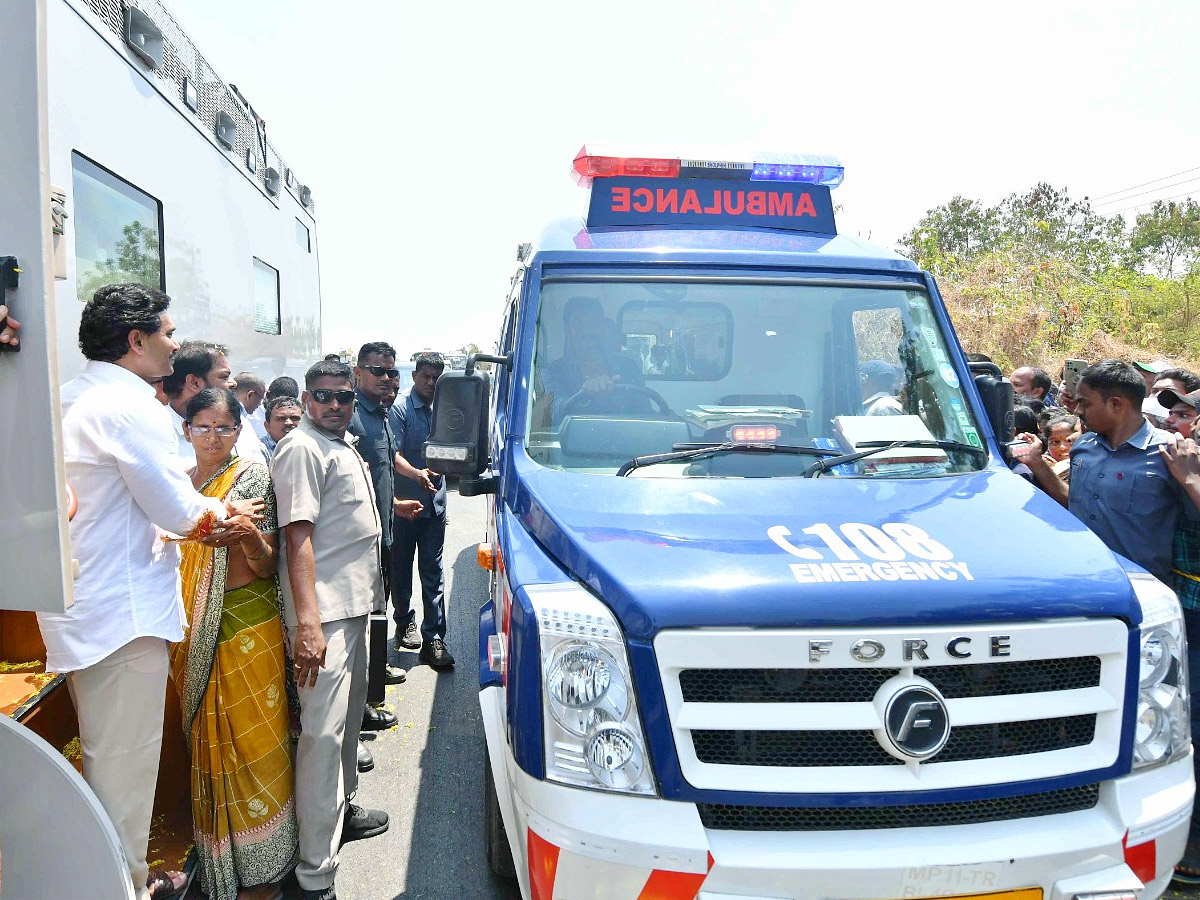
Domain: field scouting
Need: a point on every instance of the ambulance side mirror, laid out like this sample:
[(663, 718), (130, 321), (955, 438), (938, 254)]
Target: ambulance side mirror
[(458, 431), (997, 395)]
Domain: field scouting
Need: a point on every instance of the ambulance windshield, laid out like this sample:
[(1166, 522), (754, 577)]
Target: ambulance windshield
[(633, 367)]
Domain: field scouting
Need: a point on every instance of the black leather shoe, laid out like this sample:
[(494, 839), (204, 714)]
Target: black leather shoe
[(318, 894), (366, 762), (377, 719), (394, 675), (409, 638), (435, 655), (363, 823)]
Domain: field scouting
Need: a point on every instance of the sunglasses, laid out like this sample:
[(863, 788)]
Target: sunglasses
[(325, 396), (206, 430), (380, 371)]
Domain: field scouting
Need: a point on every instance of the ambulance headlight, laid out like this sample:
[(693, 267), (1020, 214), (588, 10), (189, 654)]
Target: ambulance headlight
[(593, 731), (1162, 730), (586, 687)]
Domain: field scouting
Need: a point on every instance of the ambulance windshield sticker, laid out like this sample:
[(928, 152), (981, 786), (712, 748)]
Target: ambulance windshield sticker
[(854, 551), (948, 374)]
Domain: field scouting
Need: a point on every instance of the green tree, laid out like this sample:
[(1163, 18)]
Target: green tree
[(1166, 236), (136, 258)]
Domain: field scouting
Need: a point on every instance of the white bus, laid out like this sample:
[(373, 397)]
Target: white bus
[(123, 157)]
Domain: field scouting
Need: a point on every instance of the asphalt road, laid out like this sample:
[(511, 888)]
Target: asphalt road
[(428, 772)]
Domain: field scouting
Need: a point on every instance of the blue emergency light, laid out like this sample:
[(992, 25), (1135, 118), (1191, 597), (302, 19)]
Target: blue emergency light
[(788, 192)]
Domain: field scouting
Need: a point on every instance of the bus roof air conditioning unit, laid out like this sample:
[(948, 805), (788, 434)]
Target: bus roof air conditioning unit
[(271, 180), (143, 37), (305, 195), (226, 130)]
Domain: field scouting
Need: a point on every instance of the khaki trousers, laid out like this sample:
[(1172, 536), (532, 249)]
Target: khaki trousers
[(120, 701), (327, 754)]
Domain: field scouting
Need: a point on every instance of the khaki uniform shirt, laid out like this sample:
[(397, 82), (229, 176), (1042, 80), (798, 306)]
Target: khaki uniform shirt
[(321, 479)]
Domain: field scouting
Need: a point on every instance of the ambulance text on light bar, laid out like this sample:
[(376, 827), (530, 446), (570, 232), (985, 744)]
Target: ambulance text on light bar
[(779, 192)]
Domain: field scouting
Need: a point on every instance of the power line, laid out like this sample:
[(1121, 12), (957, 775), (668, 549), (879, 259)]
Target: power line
[(1143, 184), (1164, 187), (1148, 202)]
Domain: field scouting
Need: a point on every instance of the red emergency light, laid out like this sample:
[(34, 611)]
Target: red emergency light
[(754, 434), (586, 167)]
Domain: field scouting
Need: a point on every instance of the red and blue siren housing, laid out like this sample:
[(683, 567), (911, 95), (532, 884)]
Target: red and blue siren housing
[(781, 191)]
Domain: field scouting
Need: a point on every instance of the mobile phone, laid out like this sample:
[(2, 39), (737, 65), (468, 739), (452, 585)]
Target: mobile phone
[(1072, 369)]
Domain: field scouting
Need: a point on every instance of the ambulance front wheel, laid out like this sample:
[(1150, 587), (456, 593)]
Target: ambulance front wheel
[(499, 853)]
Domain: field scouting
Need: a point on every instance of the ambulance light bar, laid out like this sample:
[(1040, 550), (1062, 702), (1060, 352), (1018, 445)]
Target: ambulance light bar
[(796, 167)]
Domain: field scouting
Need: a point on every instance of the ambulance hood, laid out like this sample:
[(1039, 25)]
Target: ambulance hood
[(795, 552)]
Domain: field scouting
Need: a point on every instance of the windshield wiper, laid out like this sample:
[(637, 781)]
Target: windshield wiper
[(824, 465), (703, 451)]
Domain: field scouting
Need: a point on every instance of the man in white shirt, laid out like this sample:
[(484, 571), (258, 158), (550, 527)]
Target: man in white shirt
[(200, 365), (120, 458), (251, 392)]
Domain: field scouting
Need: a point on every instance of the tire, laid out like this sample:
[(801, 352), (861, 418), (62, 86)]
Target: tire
[(499, 853)]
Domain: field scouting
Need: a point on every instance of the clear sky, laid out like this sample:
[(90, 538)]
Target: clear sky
[(437, 136)]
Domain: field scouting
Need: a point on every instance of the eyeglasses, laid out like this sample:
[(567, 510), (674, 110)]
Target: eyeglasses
[(325, 396), (206, 430), (380, 371)]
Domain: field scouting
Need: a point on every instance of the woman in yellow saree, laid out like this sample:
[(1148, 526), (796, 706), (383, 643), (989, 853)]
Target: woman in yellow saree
[(231, 674)]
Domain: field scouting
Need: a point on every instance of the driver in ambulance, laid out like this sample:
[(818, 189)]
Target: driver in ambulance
[(591, 363)]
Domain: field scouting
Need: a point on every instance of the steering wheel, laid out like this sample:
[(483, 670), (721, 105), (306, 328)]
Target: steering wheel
[(580, 402)]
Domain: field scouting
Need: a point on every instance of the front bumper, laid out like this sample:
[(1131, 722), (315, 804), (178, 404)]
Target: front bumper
[(572, 844)]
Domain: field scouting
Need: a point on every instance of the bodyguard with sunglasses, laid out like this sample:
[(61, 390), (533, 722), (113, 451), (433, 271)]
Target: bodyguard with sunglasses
[(329, 567)]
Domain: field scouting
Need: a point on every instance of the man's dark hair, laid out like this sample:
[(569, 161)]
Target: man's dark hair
[(383, 348), (280, 402), (328, 368), (283, 386), (113, 312), (978, 357), (1190, 380), (1040, 379), (331, 357), (193, 358), (214, 398), (1113, 377), (432, 360), (1033, 404), (250, 381)]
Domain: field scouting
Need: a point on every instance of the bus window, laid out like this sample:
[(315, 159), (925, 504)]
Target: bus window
[(266, 298), (118, 231)]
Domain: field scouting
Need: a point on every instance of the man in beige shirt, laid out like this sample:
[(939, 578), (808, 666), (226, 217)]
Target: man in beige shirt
[(331, 581)]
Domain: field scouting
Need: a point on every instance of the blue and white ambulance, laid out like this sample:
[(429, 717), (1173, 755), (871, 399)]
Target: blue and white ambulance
[(770, 616)]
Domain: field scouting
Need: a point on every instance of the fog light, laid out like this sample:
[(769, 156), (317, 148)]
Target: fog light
[(1152, 731)]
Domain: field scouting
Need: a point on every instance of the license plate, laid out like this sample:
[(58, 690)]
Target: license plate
[(956, 883)]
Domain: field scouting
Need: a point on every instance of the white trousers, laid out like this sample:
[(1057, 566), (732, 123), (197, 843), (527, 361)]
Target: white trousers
[(120, 702), (327, 754)]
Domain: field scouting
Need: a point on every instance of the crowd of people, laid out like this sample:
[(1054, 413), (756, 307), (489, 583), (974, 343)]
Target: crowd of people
[(235, 538)]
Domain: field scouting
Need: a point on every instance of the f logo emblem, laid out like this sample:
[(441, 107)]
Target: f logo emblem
[(916, 725)]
